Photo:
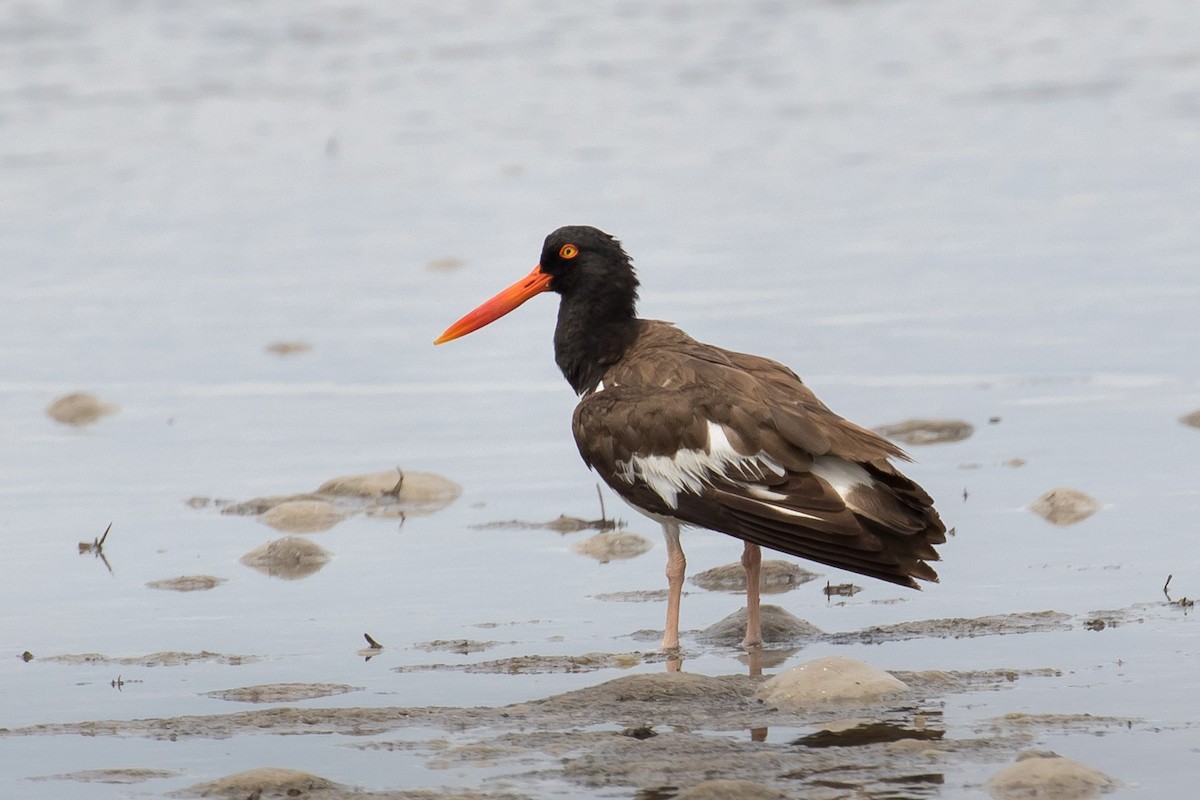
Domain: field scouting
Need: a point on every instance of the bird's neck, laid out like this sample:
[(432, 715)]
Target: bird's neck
[(592, 335)]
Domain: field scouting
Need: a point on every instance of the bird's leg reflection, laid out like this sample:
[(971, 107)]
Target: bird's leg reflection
[(754, 659)]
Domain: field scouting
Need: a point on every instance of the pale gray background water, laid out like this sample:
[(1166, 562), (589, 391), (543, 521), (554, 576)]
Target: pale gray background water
[(938, 209)]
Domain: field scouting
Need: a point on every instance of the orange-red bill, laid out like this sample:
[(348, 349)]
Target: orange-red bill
[(535, 282)]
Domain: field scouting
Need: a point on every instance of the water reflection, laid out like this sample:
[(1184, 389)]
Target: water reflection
[(862, 732), (289, 558), (96, 548)]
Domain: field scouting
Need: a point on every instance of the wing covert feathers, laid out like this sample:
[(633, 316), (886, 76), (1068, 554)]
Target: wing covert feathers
[(738, 444)]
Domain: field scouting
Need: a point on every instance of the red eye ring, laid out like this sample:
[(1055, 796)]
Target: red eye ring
[(568, 251)]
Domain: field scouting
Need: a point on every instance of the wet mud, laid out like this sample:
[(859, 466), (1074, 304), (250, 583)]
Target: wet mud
[(126, 775), (282, 692), (164, 659), (392, 494), (561, 524), (670, 730), (635, 596), (829, 728), (461, 646), (532, 665), (187, 583)]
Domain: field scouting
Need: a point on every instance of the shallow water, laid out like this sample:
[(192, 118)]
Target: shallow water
[(927, 209)]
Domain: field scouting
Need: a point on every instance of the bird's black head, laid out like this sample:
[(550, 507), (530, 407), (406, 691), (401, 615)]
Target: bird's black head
[(582, 260), (597, 316)]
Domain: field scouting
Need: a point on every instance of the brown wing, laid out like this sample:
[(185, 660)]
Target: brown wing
[(740, 445)]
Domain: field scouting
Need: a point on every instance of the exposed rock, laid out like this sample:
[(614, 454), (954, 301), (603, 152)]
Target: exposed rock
[(778, 625), (79, 408), (609, 545), (1192, 419), (1048, 775), (187, 583), (290, 558), (302, 516), (776, 576), (833, 679), (927, 431), (1065, 506)]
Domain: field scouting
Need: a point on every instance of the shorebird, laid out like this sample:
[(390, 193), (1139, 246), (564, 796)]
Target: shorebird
[(692, 434)]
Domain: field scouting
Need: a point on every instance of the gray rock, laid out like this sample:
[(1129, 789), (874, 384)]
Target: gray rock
[(1065, 506), (1042, 774), (778, 625), (776, 576), (79, 408), (290, 558), (829, 680)]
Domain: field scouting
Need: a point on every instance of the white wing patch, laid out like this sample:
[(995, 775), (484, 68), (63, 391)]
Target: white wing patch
[(689, 470), (841, 474)]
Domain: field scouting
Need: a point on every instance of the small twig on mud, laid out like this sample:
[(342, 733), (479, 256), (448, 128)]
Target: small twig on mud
[(1182, 602), (395, 490), (96, 547)]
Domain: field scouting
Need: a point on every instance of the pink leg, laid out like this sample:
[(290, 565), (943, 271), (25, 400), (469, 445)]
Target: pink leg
[(752, 563), (676, 567)]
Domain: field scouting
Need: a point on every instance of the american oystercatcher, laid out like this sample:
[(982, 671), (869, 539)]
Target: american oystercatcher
[(691, 434)]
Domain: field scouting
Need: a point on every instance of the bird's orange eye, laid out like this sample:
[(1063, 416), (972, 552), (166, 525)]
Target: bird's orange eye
[(569, 251)]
